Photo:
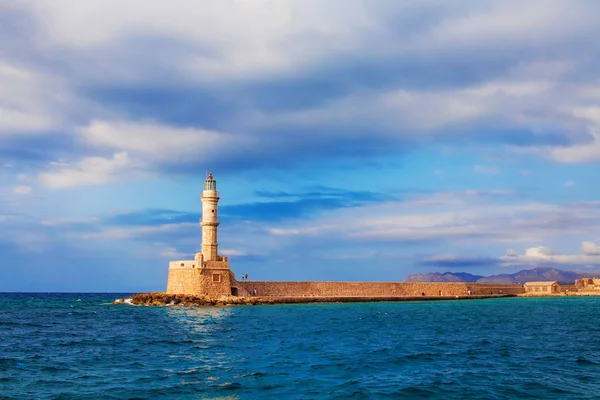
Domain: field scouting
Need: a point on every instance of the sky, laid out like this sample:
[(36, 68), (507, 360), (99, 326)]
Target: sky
[(350, 140)]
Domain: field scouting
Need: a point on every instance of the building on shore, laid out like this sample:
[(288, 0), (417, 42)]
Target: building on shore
[(588, 285), (542, 288)]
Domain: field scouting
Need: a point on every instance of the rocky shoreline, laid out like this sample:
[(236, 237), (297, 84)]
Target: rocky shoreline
[(164, 299)]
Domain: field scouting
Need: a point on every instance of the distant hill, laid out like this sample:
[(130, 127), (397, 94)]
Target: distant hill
[(445, 277), (526, 275)]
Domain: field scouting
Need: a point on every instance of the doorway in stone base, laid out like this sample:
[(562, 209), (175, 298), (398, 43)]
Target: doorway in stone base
[(234, 291)]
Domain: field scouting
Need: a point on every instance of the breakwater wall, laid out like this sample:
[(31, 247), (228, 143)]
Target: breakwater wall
[(372, 289), (165, 299)]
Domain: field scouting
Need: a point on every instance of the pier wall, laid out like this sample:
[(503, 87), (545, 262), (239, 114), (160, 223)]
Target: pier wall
[(215, 279), (373, 289), (487, 289)]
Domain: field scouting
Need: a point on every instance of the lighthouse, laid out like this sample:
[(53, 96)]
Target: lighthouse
[(208, 273), (210, 219)]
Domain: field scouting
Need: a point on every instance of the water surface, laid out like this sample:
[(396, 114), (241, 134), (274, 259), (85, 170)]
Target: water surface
[(79, 346)]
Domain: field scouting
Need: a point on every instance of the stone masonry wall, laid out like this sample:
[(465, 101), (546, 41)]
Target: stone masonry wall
[(196, 281), (184, 280), (486, 289), (374, 288), (199, 281)]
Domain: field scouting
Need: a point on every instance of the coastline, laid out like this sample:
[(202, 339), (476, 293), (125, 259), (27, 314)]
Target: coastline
[(164, 299)]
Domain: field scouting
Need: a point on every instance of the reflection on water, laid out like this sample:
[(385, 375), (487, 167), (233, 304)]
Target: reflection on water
[(198, 319), (202, 331)]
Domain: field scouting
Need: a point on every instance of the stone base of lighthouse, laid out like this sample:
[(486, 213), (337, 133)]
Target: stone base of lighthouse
[(198, 277)]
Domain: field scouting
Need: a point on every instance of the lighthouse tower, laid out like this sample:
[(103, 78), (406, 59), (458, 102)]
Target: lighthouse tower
[(208, 273), (210, 219)]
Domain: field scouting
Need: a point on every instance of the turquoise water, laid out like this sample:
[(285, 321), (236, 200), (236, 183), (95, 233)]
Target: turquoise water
[(54, 346)]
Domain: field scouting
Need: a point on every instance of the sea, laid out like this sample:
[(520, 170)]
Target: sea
[(79, 346)]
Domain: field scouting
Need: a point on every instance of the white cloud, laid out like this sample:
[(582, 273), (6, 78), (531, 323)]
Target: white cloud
[(227, 39), (231, 38), (224, 40), (590, 249), (494, 23), (569, 183), (30, 101), (541, 255), (233, 252), (88, 171), (153, 142), (172, 254), (133, 232), (22, 190), (584, 151), (579, 153), (453, 218), (69, 221), (452, 258), (539, 252), (511, 253)]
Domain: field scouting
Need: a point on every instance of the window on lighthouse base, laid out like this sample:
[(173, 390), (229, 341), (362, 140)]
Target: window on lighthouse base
[(216, 278)]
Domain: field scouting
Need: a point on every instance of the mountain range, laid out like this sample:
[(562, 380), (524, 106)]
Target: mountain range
[(526, 275)]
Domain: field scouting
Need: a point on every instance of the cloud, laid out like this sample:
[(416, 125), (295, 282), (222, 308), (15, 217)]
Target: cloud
[(354, 81), (278, 206), (590, 249), (301, 204), (172, 254), (534, 257), (161, 143), (539, 252), (541, 255), (22, 190), (511, 253), (569, 183), (458, 261), (137, 232), (224, 40), (244, 85), (30, 102), (88, 171), (584, 151), (70, 221), (452, 218)]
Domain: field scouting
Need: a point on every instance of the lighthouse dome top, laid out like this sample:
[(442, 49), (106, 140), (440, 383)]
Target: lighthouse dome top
[(210, 183)]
